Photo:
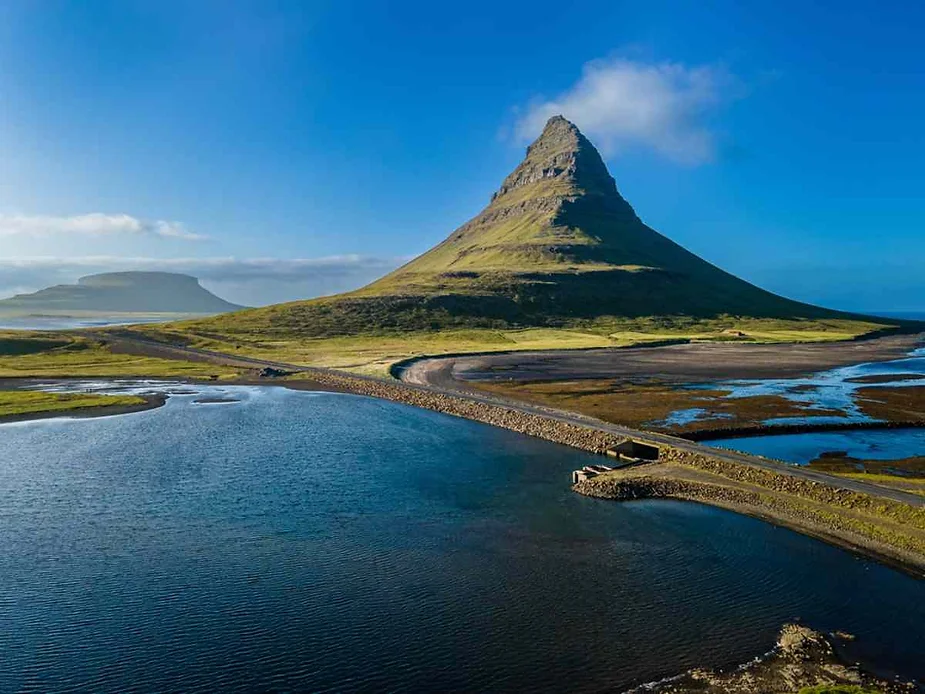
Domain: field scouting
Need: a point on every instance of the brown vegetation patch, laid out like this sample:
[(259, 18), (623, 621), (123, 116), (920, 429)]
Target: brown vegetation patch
[(648, 404), (890, 404)]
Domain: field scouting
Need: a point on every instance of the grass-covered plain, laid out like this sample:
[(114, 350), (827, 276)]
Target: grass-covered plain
[(267, 335), (61, 355), (14, 403)]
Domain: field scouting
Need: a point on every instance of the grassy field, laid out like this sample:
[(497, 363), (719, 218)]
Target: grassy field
[(61, 355), (373, 352), (20, 402)]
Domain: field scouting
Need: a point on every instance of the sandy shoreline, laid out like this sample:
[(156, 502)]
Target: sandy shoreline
[(679, 363)]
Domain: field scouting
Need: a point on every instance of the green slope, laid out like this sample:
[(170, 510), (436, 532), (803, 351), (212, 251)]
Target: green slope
[(557, 247)]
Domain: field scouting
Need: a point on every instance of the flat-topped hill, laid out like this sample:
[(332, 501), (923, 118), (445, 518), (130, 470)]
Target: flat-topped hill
[(120, 292)]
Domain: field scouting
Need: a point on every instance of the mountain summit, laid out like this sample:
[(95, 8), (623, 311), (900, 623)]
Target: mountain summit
[(556, 246), (558, 243)]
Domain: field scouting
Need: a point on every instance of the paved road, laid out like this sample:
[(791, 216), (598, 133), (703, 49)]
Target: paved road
[(129, 339)]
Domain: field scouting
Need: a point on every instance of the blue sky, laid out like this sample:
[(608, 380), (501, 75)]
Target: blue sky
[(286, 149)]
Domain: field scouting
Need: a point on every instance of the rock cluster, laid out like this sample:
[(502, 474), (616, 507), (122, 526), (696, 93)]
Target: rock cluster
[(801, 658)]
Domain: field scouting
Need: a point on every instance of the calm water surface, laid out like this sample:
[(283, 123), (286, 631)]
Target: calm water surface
[(303, 542), (886, 444)]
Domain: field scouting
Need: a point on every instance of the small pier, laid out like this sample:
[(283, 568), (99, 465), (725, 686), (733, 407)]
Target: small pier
[(588, 471), (626, 454)]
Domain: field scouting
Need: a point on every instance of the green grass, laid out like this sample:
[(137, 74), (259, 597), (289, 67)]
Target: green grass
[(37, 355), (374, 352), (21, 402)]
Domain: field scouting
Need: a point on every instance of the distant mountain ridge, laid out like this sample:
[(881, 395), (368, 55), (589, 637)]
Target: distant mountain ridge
[(121, 292), (557, 246)]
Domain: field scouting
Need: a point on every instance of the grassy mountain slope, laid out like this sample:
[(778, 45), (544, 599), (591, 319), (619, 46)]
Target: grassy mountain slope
[(120, 292), (557, 247)]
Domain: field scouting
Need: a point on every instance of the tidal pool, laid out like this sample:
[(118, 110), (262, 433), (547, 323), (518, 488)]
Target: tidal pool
[(871, 444), (322, 542)]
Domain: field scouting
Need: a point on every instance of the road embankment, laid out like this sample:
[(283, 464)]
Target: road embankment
[(585, 438)]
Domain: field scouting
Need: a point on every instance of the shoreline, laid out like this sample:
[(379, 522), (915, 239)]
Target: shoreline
[(686, 362), (152, 402), (875, 534)]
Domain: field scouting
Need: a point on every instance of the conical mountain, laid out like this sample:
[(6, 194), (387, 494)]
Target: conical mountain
[(556, 246)]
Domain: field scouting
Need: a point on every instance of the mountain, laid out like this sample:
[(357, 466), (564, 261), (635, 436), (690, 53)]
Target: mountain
[(120, 292), (557, 246)]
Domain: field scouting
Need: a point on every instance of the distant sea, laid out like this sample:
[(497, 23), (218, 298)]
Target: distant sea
[(72, 322), (911, 315)]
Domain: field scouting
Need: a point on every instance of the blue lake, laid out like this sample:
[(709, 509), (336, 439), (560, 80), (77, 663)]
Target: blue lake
[(320, 542)]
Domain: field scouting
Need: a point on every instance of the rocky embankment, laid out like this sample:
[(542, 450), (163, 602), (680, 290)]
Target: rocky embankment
[(801, 660), (584, 438)]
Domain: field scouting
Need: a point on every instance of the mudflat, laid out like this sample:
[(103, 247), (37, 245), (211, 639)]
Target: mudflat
[(680, 363)]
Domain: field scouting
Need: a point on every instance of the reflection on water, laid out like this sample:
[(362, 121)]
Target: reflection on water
[(321, 542)]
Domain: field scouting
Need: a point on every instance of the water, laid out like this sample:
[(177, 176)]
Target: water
[(321, 542), (885, 444), (835, 389), (74, 322)]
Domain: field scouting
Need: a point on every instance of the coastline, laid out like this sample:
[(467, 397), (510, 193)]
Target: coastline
[(152, 402), (874, 536)]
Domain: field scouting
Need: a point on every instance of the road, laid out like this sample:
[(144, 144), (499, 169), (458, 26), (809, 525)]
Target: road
[(445, 387)]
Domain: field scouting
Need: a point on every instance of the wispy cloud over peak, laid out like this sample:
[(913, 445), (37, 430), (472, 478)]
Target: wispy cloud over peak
[(93, 224), (622, 103)]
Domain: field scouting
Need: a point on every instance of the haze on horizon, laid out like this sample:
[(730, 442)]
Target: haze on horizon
[(308, 148)]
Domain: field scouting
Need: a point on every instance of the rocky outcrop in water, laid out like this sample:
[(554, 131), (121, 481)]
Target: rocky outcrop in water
[(802, 659)]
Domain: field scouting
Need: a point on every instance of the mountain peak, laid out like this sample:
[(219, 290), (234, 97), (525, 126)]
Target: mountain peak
[(563, 158)]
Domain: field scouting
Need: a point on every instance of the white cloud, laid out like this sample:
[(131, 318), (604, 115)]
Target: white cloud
[(251, 281), (92, 224), (622, 103)]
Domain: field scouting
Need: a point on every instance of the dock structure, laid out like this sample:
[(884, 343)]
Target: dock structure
[(589, 471), (627, 453)]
